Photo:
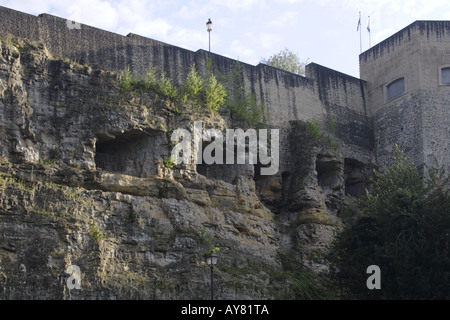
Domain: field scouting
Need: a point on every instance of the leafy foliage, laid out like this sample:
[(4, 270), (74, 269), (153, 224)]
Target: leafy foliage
[(151, 77), (169, 163), (404, 228), (286, 60), (215, 94), (207, 240), (243, 106), (323, 133), (161, 85), (166, 88), (126, 83), (196, 91), (313, 130), (192, 87), (307, 285), (210, 93), (95, 233)]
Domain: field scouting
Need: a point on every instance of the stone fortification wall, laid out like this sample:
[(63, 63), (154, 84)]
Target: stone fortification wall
[(286, 96), (344, 99), (116, 52), (417, 119), (435, 95), (415, 51)]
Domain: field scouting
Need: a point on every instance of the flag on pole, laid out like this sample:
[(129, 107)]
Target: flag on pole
[(359, 22), (358, 28), (368, 25)]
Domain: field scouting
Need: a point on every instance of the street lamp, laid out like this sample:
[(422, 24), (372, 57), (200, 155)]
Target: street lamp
[(211, 261), (209, 27)]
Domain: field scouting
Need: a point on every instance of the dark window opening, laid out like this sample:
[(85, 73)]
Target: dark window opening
[(395, 88), (445, 75)]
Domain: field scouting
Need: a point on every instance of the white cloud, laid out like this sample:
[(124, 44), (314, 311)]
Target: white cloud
[(250, 29), (101, 14), (235, 5), (243, 52), (290, 1), (284, 20), (267, 40), (190, 39), (31, 7), (196, 11)]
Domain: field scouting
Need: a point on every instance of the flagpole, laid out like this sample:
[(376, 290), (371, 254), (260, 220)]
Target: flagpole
[(368, 29), (360, 33)]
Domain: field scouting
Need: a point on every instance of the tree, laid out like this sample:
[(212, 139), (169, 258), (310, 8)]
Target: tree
[(215, 94), (288, 61), (402, 225), (192, 87)]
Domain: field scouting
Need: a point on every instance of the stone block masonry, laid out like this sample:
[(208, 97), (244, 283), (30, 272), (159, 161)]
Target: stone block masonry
[(87, 178), (286, 96), (416, 119), (358, 106)]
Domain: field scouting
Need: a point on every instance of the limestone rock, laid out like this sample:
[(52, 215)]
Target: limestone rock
[(86, 181)]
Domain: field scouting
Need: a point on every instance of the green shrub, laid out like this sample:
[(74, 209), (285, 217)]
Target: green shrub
[(151, 77), (242, 105), (306, 284), (169, 163), (166, 88), (402, 225), (126, 80), (215, 94), (192, 86), (313, 130), (95, 233), (247, 109), (210, 93)]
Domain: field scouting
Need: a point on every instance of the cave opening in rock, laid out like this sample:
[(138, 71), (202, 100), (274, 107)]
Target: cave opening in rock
[(330, 180), (286, 178), (225, 172), (328, 173), (134, 153), (355, 181)]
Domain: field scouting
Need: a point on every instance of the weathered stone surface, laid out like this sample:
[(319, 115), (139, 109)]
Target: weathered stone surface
[(84, 181), (134, 231), (84, 177)]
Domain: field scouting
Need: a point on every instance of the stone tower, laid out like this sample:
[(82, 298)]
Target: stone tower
[(408, 93)]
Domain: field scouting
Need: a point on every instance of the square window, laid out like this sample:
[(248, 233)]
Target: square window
[(445, 75), (395, 88)]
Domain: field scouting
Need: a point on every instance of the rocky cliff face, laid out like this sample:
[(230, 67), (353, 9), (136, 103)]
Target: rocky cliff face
[(83, 182)]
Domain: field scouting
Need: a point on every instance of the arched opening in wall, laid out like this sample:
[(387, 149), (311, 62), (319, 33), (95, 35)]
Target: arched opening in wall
[(133, 153), (355, 180)]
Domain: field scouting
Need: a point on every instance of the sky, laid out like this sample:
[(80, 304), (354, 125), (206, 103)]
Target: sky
[(320, 31)]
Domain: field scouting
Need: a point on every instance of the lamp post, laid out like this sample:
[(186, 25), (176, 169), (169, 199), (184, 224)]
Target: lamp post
[(209, 27), (211, 261)]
